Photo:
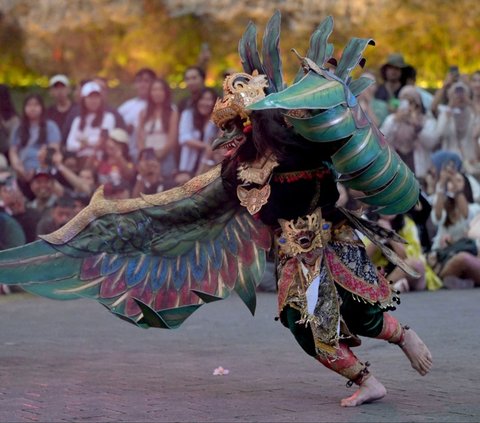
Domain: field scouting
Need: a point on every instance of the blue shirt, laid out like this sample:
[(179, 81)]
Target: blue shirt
[(29, 154)]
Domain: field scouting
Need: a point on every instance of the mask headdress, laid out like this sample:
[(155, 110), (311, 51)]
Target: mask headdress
[(240, 91), (321, 106)]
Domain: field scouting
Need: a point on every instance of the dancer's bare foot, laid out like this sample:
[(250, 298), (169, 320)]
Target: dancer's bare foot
[(417, 352), (370, 390)]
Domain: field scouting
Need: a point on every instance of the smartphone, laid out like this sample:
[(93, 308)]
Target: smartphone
[(49, 156), (453, 70)]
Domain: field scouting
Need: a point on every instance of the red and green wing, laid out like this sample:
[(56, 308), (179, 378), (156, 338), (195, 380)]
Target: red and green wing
[(151, 261)]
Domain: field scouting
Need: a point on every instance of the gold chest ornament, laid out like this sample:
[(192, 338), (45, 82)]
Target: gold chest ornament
[(259, 173)]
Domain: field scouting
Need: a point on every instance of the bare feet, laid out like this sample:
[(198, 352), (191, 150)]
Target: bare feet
[(370, 390), (417, 352)]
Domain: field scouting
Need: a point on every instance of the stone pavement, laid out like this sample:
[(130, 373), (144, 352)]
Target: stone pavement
[(72, 361)]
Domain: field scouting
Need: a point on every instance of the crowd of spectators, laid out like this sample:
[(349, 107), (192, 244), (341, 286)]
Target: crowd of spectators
[(53, 158)]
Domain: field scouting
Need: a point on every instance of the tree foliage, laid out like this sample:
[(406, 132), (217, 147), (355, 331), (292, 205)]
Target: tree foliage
[(114, 38)]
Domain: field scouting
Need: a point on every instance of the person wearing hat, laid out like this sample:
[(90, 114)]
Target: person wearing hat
[(89, 128), (392, 76), (42, 186), (115, 166), (59, 90)]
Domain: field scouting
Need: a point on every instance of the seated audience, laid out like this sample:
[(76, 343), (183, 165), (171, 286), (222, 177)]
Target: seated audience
[(158, 126), (91, 127), (115, 165), (43, 189), (149, 175), (411, 131), (62, 211), (62, 104), (8, 119), (411, 253), (33, 132), (196, 133)]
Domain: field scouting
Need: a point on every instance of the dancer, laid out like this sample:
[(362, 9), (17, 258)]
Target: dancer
[(153, 260)]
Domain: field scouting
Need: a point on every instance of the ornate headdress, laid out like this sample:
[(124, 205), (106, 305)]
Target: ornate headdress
[(240, 90)]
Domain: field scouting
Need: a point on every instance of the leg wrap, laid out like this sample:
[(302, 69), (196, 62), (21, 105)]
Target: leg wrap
[(392, 330), (345, 363)]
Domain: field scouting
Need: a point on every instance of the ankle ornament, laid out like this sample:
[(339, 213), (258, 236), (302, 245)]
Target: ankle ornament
[(401, 341), (361, 377)]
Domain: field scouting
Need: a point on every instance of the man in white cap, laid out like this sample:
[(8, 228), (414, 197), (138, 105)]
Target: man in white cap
[(62, 104)]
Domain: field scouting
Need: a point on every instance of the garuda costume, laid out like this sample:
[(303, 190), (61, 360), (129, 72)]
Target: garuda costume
[(154, 260)]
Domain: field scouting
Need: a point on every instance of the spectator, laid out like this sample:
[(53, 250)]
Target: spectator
[(11, 233), (376, 109), (453, 206), (115, 166), (60, 93), (34, 131), (196, 132), (459, 263), (117, 192), (130, 109), (63, 211), (410, 78), (103, 84), (194, 78), (15, 205), (149, 177), (42, 186), (441, 95), (411, 131), (411, 253), (393, 81), (456, 126), (83, 182), (8, 119), (475, 88), (158, 126), (86, 132)]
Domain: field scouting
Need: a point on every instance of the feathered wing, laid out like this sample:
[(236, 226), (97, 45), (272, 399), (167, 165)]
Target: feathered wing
[(151, 261)]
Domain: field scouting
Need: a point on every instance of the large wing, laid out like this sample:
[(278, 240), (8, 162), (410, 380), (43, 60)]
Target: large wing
[(152, 260)]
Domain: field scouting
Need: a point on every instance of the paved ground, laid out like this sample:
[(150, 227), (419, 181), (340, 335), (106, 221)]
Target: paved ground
[(72, 361)]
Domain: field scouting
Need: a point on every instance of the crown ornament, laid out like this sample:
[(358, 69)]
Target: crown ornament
[(240, 91)]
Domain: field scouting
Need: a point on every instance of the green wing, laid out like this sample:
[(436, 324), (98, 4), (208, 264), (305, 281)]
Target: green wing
[(151, 261), (322, 107)]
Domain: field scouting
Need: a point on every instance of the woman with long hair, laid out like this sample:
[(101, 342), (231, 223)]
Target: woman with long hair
[(196, 133), (94, 121), (158, 126), (8, 118), (34, 133)]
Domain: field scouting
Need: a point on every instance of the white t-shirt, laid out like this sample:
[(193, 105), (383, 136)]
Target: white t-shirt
[(130, 110), (89, 133), (189, 157)]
